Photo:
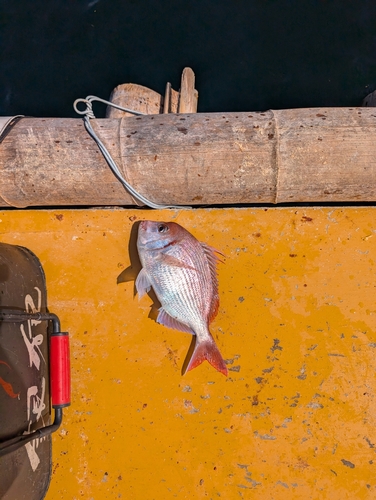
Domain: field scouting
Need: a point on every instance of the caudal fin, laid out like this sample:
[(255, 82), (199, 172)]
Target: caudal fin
[(207, 350)]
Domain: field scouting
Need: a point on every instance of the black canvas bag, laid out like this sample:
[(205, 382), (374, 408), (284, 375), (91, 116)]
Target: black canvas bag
[(25, 385)]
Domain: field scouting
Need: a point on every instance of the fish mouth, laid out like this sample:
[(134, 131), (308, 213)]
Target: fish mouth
[(143, 229), (150, 237), (145, 232), (142, 237), (146, 225)]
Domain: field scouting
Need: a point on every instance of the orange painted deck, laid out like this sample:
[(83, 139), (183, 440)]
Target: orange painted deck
[(296, 417)]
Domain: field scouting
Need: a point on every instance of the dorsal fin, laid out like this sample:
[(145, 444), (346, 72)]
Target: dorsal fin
[(213, 259)]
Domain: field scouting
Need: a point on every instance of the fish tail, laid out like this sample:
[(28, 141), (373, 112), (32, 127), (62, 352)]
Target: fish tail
[(207, 350)]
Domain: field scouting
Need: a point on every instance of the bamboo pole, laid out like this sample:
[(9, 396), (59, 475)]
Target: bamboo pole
[(299, 155)]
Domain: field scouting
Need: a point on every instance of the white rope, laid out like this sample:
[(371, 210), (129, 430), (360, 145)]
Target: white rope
[(88, 114)]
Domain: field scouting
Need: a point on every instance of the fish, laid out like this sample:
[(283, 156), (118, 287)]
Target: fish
[(183, 274)]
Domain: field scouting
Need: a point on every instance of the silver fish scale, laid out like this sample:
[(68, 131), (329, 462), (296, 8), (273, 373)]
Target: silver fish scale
[(184, 292)]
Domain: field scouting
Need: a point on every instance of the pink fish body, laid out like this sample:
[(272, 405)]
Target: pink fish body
[(182, 272)]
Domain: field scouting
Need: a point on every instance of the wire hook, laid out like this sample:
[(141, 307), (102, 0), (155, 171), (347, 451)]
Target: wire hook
[(88, 114)]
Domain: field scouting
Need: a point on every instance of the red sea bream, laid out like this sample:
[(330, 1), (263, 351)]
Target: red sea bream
[(182, 272)]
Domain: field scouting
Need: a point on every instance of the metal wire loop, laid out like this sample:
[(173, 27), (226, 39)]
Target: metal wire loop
[(88, 115), (89, 107)]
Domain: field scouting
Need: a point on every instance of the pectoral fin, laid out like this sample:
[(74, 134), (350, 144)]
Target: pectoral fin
[(170, 260), (143, 284)]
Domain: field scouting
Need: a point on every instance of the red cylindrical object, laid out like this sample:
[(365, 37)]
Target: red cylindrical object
[(60, 369)]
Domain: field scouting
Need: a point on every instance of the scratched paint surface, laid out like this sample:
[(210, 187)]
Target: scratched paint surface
[(296, 416)]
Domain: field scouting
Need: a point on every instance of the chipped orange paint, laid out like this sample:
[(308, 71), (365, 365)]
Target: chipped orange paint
[(295, 419)]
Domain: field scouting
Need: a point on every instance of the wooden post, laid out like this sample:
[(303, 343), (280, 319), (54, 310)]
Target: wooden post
[(135, 97), (171, 100), (188, 93), (147, 101)]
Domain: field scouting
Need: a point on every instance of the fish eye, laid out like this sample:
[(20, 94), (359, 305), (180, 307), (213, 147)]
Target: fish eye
[(162, 228)]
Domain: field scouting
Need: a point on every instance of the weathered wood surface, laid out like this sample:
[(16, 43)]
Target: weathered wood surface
[(188, 94), (299, 155), (170, 100), (135, 97), (147, 101)]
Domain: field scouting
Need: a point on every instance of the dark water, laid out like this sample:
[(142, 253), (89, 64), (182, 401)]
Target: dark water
[(247, 55)]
